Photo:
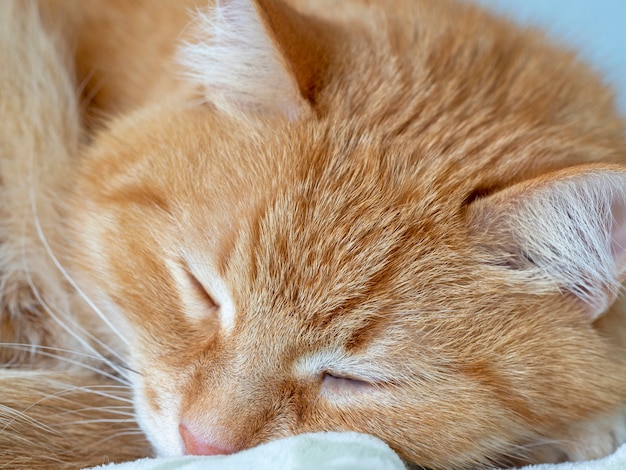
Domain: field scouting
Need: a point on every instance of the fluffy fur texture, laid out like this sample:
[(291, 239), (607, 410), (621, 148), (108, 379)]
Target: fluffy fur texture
[(236, 63), (38, 135), (405, 218)]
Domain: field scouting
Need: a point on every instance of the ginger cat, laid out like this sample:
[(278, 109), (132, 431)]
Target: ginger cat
[(400, 217)]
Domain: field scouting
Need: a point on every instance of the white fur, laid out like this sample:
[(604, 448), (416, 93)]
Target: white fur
[(237, 64), (161, 429), (573, 230)]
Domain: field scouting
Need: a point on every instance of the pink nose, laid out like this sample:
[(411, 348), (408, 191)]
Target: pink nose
[(194, 445)]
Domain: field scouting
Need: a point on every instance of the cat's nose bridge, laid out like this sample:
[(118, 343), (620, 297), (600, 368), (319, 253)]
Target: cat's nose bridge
[(225, 423), (213, 417)]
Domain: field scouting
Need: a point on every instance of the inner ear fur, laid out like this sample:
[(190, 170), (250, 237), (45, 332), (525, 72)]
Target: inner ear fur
[(259, 55), (566, 230)]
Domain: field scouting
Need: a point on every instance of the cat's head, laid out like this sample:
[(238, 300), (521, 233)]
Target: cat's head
[(279, 261)]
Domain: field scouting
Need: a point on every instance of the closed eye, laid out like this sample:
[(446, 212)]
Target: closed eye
[(201, 292), (337, 383)]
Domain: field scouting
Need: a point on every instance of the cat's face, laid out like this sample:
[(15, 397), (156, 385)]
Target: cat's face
[(400, 261), (275, 284)]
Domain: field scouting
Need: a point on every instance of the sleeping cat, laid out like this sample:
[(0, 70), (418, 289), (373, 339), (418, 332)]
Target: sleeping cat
[(405, 218)]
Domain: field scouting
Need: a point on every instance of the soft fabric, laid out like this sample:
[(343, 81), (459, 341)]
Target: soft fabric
[(328, 451), (335, 451)]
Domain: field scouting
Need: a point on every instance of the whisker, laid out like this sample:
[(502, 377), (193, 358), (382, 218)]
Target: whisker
[(71, 331), (108, 395), (130, 432), (101, 420), (66, 275), (108, 409), (23, 346), (11, 415), (122, 434), (64, 325), (45, 305), (23, 414), (83, 365), (57, 264), (94, 391)]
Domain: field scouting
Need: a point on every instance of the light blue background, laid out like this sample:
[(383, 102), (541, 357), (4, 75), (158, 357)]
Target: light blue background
[(597, 28)]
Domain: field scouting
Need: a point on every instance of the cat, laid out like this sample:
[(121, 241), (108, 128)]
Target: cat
[(262, 218)]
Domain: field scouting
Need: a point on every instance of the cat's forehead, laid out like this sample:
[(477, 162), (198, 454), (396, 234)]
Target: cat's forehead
[(317, 203), (319, 217), (336, 240)]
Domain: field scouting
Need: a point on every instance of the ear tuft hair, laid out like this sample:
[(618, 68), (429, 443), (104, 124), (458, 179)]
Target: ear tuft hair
[(567, 229), (237, 63)]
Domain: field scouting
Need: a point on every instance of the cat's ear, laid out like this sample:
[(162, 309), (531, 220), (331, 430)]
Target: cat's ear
[(565, 230), (257, 55)]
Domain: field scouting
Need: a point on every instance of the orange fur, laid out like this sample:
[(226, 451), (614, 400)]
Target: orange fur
[(420, 239)]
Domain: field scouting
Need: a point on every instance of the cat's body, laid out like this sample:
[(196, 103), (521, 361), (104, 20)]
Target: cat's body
[(403, 218)]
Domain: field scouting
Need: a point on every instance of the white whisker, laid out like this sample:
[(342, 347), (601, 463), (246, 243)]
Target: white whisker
[(67, 277), (129, 432), (107, 395), (82, 365), (108, 409), (102, 420), (44, 304), (24, 346), (72, 332), (11, 415)]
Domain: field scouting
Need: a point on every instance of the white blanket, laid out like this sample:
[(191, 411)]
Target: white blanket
[(334, 451)]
